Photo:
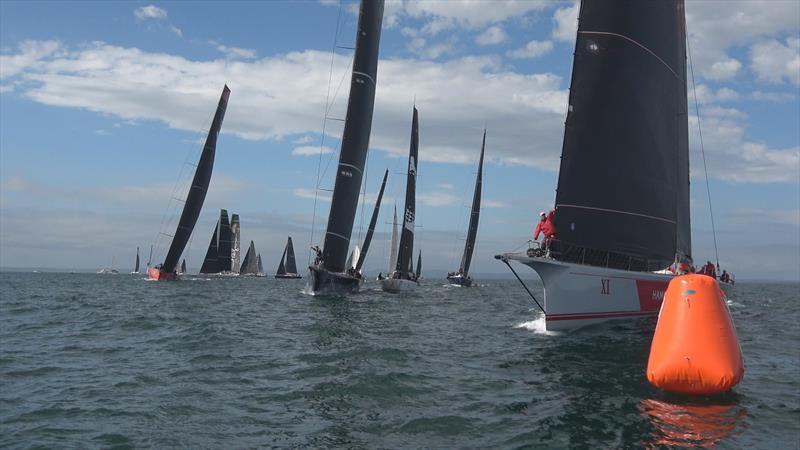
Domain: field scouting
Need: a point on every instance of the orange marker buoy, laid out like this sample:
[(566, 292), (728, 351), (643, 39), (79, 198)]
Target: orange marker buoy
[(695, 349)]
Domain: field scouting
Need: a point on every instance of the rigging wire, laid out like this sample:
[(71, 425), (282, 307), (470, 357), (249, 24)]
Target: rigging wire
[(702, 149), (324, 123)]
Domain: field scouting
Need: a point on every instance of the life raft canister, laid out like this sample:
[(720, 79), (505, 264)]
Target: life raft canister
[(695, 349)]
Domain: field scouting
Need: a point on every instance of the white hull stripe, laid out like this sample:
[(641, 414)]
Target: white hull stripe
[(615, 212)]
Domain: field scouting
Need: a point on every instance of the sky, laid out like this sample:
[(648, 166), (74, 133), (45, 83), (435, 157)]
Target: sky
[(104, 108)]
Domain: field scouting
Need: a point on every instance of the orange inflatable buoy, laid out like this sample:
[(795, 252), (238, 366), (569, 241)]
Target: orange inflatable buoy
[(695, 349)]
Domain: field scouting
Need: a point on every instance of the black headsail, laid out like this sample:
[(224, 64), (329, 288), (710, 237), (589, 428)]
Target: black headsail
[(282, 265), (259, 264), (197, 192), (623, 186), (374, 220), (136, 267), (211, 261), (475, 214), (183, 266), (225, 241), (291, 264), (249, 263), (355, 138), (406, 248), (419, 265)]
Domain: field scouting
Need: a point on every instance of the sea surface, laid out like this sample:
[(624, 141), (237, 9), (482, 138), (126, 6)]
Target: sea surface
[(99, 361)]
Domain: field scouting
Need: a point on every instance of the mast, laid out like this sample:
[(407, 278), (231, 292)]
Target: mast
[(472, 231), (235, 244), (211, 262), (406, 248), (225, 240), (393, 249), (623, 186), (136, 266), (355, 138), (291, 264), (372, 222), (198, 189)]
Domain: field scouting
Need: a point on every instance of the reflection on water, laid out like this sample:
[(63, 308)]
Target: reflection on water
[(692, 423)]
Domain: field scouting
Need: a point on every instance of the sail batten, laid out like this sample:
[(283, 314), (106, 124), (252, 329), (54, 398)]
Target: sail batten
[(355, 137), (623, 180), (475, 213), (198, 190)]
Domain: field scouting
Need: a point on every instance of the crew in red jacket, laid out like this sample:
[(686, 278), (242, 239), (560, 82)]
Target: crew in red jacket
[(547, 227)]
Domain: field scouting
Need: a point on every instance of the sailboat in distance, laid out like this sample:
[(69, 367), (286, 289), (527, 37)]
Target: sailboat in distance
[(328, 272), (195, 199), (249, 265), (622, 203), (136, 266), (403, 278), (461, 276), (288, 266), (183, 267)]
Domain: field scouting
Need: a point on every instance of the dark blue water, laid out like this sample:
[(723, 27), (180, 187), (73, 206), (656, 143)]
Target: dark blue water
[(113, 360)]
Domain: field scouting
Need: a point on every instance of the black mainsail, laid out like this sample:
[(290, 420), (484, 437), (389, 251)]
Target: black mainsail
[(136, 266), (183, 266), (355, 138), (198, 189), (372, 222), (623, 187), (211, 261), (474, 217), (291, 264), (406, 248), (419, 266)]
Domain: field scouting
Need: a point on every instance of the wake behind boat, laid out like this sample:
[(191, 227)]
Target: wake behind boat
[(195, 198)]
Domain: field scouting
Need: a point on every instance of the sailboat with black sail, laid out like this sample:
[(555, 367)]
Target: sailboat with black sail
[(136, 266), (402, 278), (328, 272), (622, 203), (461, 277), (195, 199), (250, 262), (288, 266), (218, 256)]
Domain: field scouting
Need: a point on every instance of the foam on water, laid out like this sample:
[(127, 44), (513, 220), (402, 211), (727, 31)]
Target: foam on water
[(538, 326)]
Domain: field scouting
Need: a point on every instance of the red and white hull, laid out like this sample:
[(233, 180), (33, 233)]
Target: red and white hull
[(157, 275), (576, 295)]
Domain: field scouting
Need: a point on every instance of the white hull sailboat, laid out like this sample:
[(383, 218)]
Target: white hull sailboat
[(622, 201), (398, 285)]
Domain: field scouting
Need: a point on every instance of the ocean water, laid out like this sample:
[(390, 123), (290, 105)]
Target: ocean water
[(92, 360)]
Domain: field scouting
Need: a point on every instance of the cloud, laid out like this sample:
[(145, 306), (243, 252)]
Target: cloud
[(776, 97), (494, 204), (303, 140), (565, 23), (723, 70), (713, 30), (464, 13), (492, 36), (437, 198), (757, 216), (446, 186), (706, 94), (308, 150), (532, 49), (234, 52), (775, 62), (323, 196), (30, 53), (150, 12), (176, 31)]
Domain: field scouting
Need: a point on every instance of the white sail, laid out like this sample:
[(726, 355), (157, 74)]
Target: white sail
[(393, 253)]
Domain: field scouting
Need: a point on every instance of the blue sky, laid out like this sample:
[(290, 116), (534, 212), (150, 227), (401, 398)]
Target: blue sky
[(102, 103)]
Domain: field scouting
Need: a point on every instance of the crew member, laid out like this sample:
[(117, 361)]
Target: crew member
[(547, 227)]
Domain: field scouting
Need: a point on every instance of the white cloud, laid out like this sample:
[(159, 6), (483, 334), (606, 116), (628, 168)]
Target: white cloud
[(303, 140), (492, 36), (311, 150), (30, 53), (775, 62), (532, 49), (756, 216), (723, 70), (446, 186), (468, 13), (150, 12), (706, 94), (437, 198), (6, 88), (234, 52), (714, 30), (566, 23), (176, 31), (776, 97), (494, 204)]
